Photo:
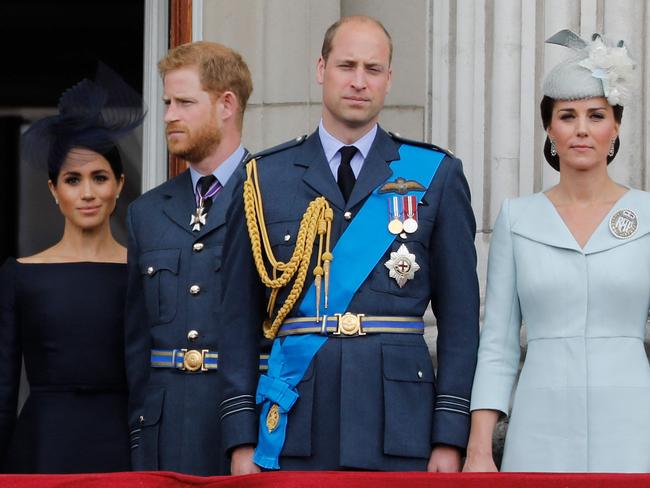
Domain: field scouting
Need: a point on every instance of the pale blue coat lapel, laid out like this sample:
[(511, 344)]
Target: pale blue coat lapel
[(537, 219)]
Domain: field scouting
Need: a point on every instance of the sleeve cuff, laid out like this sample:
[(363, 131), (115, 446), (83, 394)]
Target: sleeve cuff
[(239, 421), (451, 421), (489, 394)]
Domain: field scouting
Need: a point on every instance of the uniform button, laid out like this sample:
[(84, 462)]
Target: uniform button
[(287, 237), (403, 235), (420, 375), (347, 215), (195, 289), (150, 270), (192, 335), (197, 247), (141, 419)]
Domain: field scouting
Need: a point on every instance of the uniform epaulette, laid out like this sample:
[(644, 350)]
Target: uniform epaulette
[(426, 145), (280, 147)]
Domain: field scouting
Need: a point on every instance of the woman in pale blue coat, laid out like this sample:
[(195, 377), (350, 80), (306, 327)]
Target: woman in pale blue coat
[(572, 263)]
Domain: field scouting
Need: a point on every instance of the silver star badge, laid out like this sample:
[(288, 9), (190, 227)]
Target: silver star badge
[(198, 219), (402, 265)]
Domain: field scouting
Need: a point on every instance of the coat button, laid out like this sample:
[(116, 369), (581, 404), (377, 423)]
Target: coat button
[(287, 237), (195, 289), (198, 247), (347, 215), (192, 335), (420, 374), (141, 419), (150, 270)]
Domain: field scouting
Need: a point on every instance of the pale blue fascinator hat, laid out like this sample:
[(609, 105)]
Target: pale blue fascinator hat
[(597, 69)]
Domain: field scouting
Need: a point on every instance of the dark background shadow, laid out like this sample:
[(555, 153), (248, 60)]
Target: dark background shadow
[(49, 46)]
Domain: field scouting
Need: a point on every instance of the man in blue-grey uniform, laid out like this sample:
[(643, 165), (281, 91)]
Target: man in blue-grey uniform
[(377, 227), (176, 235)]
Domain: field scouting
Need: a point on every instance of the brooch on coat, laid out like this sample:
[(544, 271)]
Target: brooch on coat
[(623, 223)]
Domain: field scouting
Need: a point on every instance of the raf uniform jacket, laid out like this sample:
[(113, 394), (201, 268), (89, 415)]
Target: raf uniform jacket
[(172, 413), (371, 402)]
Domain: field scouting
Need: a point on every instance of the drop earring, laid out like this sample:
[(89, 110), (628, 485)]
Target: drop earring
[(610, 153), (553, 148)]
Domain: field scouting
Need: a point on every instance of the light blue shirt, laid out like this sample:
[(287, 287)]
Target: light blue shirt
[(331, 146), (224, 171)]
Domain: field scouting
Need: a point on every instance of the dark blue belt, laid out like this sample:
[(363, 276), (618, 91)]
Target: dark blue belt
[(193, 360), (351, 325)]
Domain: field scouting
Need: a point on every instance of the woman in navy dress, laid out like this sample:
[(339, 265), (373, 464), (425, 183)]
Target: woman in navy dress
[(62, 309)]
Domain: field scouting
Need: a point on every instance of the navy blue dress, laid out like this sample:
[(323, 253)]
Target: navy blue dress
[(66, 319)]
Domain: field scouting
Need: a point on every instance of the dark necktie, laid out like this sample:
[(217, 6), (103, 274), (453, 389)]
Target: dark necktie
[(206, 188), (345, 174)]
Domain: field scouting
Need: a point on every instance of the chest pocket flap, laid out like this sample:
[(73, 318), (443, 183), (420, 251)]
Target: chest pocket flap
[(159, 269), (152, 262)]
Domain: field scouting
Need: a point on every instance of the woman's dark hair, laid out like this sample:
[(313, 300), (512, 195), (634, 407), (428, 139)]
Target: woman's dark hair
[(112, 155), (94, 115), (546, 110)]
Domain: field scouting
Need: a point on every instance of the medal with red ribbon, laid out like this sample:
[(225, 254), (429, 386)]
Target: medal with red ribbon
[(410, 206)]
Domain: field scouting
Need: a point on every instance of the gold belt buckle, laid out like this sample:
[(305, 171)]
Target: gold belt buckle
[(193, 360), (349, 324)]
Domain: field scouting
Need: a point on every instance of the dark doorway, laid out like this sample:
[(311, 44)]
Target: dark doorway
[(48, 47)]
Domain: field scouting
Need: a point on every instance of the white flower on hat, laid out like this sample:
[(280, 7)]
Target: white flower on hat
[(613, 66)]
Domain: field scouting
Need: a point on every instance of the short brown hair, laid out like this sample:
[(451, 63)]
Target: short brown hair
[(220, 69), (331, 32)]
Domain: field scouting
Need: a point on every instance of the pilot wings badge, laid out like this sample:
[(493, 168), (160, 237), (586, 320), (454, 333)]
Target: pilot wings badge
[(401, 186)]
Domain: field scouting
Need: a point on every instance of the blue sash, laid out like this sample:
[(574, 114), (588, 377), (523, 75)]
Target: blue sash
[(355, 256)]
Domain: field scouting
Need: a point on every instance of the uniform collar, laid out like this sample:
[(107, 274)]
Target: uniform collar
[(224, 171), (331, 144)]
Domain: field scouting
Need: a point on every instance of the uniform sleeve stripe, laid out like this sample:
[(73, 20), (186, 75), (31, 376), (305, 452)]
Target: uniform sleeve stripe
[(235, 398), (452, 410), (239, 404), (460, 399), (453, 404), (235, 411)]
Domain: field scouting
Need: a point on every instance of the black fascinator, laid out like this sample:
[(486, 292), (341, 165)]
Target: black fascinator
[(93, 114)]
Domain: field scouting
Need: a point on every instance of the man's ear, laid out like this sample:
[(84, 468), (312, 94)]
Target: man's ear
[(229, 105), (320, 70)]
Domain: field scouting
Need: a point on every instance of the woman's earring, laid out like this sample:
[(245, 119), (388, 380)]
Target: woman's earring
[(117, 197), (611, 148), (56, 201), (553, 149)]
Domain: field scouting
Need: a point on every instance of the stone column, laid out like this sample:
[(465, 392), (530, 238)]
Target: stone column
[(280, 40)]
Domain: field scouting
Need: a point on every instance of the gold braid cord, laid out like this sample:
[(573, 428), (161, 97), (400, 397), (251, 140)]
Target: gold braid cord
[(316, 221)]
